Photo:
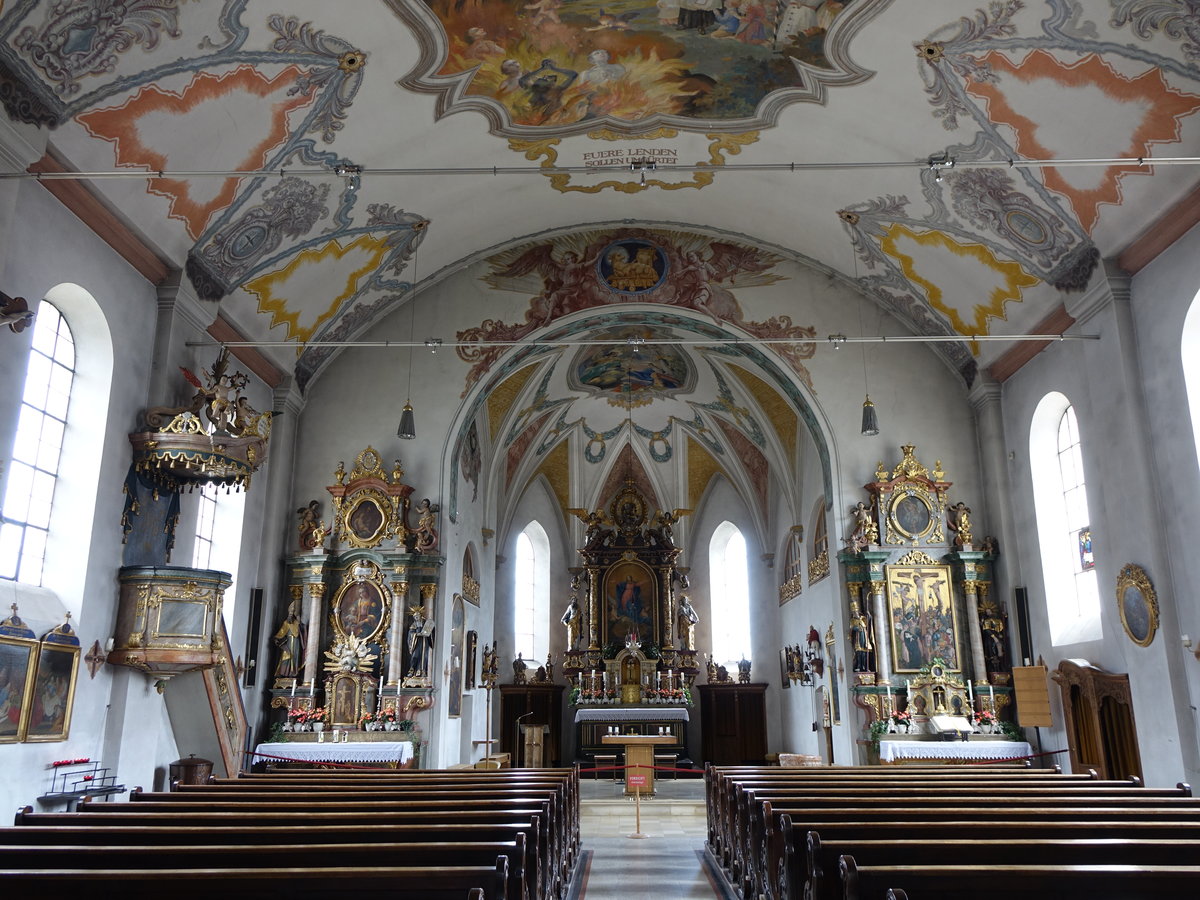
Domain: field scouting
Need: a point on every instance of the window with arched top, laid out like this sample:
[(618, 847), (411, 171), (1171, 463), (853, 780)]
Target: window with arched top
[(1064, 523), (729, 582), (531, 593), (37, 449), (793, 565)]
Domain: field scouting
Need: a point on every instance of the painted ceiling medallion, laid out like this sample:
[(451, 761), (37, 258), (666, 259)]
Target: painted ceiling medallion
[(549, 67)]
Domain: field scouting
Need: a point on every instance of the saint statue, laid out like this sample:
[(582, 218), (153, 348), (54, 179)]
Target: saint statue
[(572, 618), (860, 639), (688, 617), (290, 641), (519, 668), (420, 643), (958, 520)]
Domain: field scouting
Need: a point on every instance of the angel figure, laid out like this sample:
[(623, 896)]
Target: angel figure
[(310, 518), (865, 531), (426, 532)]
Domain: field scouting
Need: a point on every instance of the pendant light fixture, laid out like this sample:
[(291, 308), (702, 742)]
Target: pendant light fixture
[(870, 420), (408, 426)]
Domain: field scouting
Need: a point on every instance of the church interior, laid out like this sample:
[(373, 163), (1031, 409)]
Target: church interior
[(791, 380)]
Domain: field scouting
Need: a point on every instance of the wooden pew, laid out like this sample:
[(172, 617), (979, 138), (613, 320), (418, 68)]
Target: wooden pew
[(307, 883), (798, 864), (552, 874), (168, 836), (759, 851), (275, 856), (824, 881), (1030, 882)]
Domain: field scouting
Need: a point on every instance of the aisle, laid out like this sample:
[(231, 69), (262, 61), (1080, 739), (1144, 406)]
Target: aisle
[(669, 865)]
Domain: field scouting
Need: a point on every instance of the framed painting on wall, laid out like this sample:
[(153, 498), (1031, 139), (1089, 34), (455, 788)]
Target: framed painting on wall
[(48, 712), (924, 623), (457, 647), (17, 663)]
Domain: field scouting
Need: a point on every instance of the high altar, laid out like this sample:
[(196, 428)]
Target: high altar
[(631, 653)]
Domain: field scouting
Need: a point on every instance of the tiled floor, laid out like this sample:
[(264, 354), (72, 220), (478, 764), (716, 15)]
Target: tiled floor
[(669, 864)]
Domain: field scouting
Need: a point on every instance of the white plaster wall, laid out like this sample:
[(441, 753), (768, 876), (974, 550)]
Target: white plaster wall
[(1139, 509)]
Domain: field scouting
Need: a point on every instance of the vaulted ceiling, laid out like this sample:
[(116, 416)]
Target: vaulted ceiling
[(884, 140)]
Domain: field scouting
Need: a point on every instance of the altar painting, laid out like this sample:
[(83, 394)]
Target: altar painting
[(924, 624), (630, 603), (360, 609)]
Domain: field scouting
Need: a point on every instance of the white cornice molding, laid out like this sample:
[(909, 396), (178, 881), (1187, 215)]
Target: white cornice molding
[(20, 145), (1099, 294), (179, 297)]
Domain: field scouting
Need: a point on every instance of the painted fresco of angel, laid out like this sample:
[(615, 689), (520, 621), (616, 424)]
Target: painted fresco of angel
[(702, 275), (567, 285)]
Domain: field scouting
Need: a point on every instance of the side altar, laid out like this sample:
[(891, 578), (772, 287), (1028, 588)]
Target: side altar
[(928, 639), (355, 647)]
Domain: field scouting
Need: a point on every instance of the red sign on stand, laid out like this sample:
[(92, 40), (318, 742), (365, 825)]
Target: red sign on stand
[(636, 780)]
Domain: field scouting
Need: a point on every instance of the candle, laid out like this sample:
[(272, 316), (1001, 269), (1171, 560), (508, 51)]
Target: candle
[(992, 696), (970, 692), (293, 688), (889, 693)]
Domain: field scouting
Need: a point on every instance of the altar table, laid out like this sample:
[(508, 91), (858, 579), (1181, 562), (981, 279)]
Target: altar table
[(897, 751), (639, 757), (387, 752)]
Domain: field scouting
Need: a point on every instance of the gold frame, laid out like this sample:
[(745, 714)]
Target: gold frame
[(46, 653), (382, 503), (30, 647), (904, 577), (897, 533), (1134, 578), (377, 635)]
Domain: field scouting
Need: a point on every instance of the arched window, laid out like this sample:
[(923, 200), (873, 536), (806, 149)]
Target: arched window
[(793, 565), (218, 543), (1064, 523), (531, 594), (729, 579), (37, 449)]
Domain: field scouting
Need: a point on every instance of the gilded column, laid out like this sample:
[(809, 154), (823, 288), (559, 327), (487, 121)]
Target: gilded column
[(593, 614), (668, 608), (316, 619), (395, 663)]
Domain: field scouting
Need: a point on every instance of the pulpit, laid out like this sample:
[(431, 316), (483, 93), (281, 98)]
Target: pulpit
[(533, 742), (639, 758)]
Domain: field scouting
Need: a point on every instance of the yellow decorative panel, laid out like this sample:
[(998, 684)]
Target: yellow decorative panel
[(701, 468), (557, 469), (502, 398), (333, 271), (783, 417), (1002, 280)]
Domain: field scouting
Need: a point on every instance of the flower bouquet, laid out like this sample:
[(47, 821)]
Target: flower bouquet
[(902, 721), (985, 721)]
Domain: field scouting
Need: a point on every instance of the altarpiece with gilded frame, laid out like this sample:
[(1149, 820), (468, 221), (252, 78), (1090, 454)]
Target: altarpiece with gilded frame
[(368, 600), (921, 601)]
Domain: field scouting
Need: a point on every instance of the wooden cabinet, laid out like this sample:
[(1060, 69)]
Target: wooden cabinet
[(544, 703), (733, 724)]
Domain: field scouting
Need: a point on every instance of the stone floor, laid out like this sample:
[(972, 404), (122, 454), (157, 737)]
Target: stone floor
[(669, 864)]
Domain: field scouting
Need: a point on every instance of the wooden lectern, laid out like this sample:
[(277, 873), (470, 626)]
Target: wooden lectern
[(533, 745), (639, 756)]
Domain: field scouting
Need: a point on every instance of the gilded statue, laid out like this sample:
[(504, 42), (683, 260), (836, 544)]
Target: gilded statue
[(572, 618), (519, 669), (958, 520), (865, 532), (420, 643)]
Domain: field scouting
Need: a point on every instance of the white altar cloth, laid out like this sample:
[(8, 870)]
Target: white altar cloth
[(632, 714), (890, 751), (351, 751)]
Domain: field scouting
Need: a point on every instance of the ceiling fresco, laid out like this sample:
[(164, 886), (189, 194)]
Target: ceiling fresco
[(315, 97), (587, 270), (557, 67)]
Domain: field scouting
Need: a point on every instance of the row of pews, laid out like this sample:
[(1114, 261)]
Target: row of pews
[(920, 833), (509, 834)]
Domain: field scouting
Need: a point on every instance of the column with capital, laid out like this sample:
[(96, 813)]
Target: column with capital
[(312, 653), (978, 664), (399, 606), (668, 608)]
